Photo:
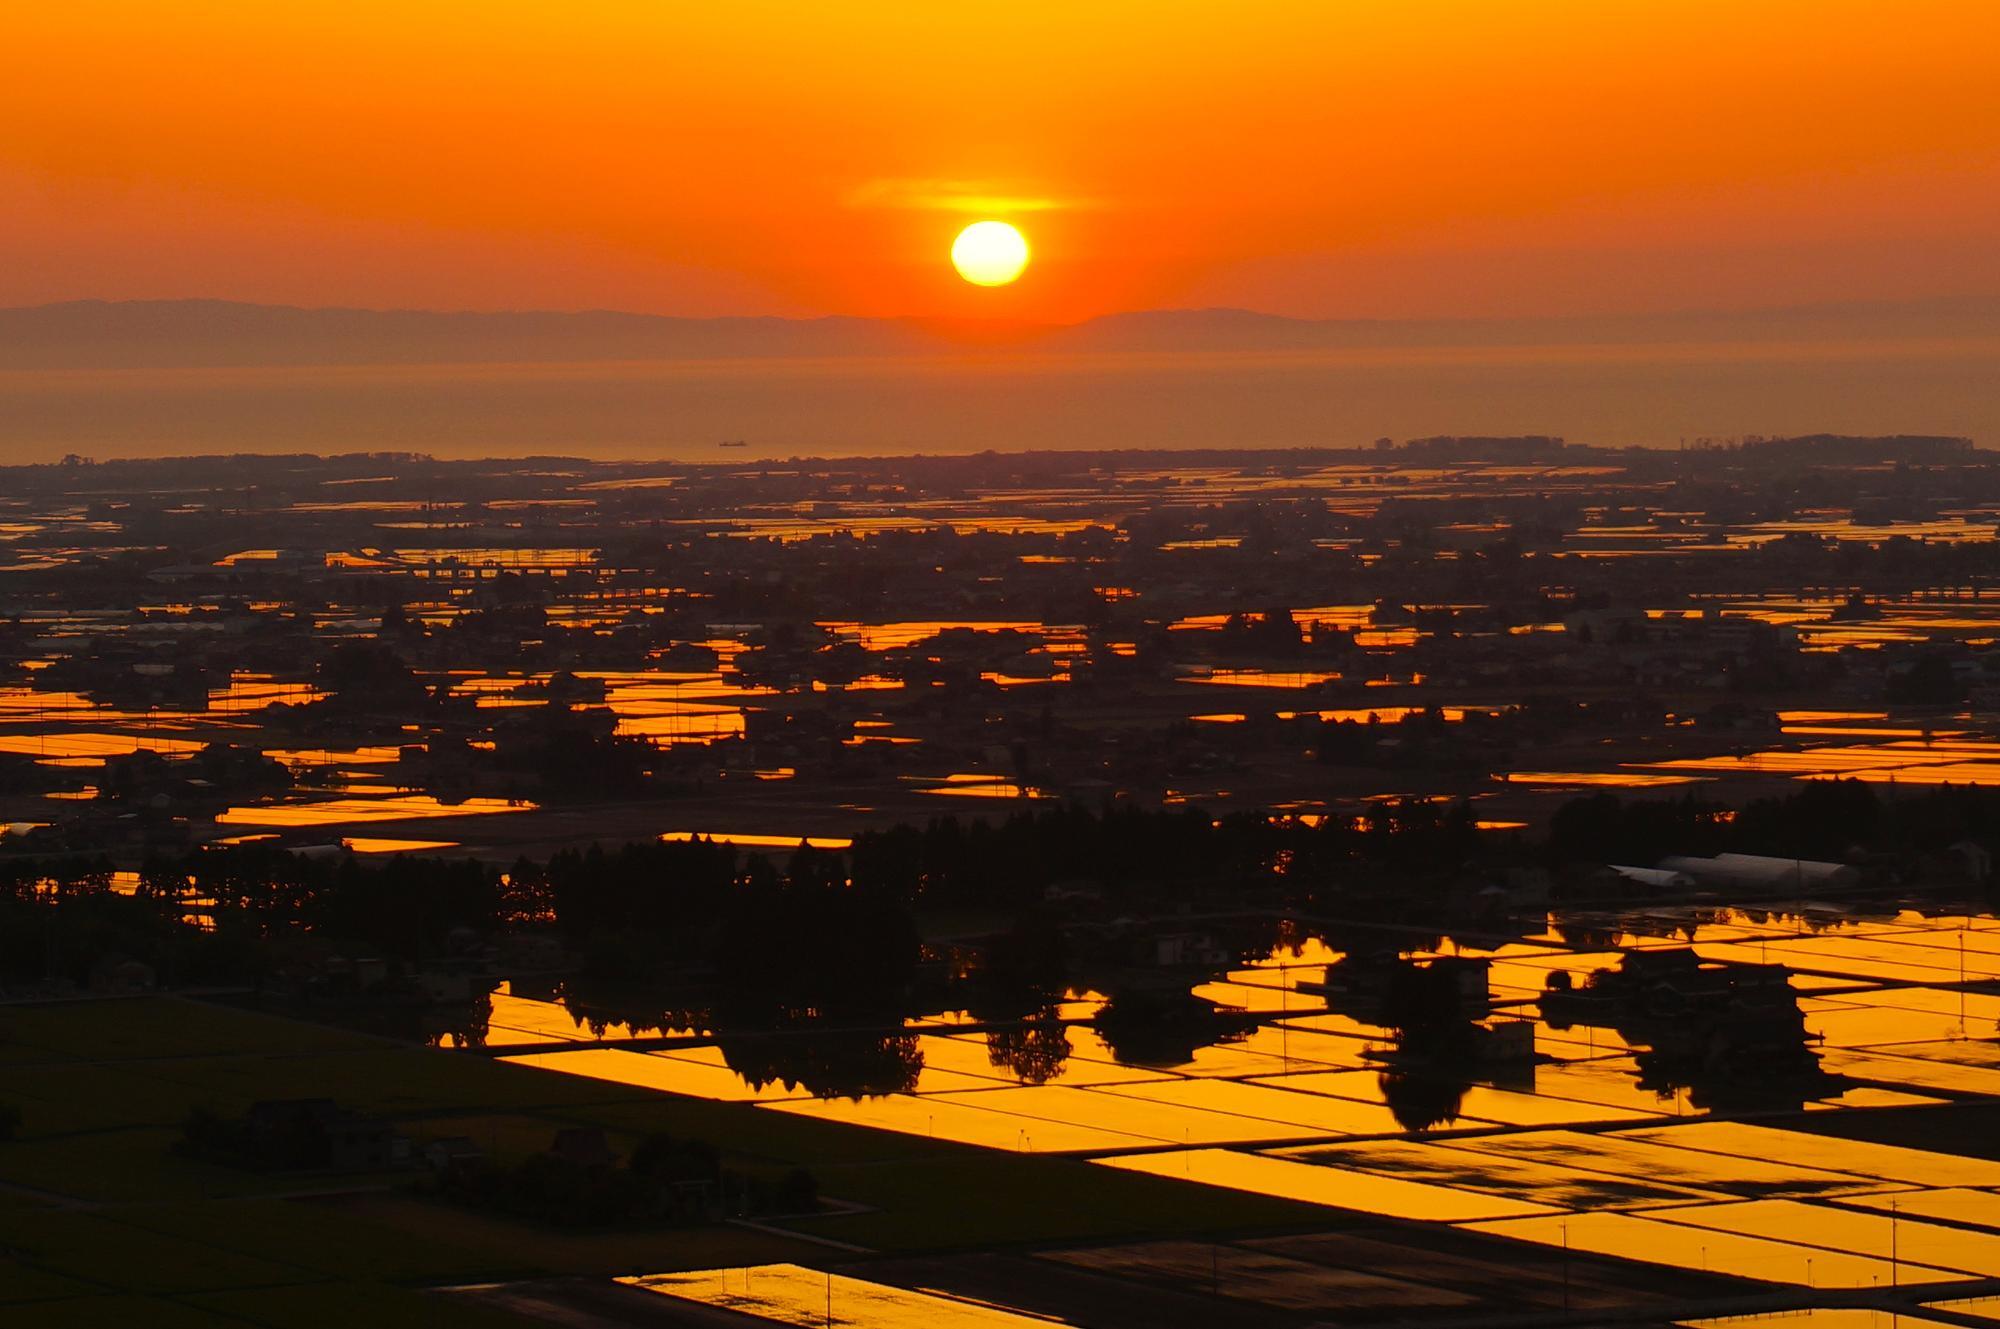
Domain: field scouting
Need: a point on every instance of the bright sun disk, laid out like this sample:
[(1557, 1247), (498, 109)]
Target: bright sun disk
[(989, 253)]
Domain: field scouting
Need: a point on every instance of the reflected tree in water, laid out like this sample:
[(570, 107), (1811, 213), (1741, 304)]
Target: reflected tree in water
[(827, 1063), (1431, 1007), (1035, 1051), (1731, 1035), (460, 1024), (1422, 1101), (1021, 977), (1144, 1026), (615, 1010)]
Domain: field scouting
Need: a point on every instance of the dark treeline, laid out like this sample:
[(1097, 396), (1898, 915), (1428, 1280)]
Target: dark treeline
[(820, 932), (804, 969), (1833, 820)]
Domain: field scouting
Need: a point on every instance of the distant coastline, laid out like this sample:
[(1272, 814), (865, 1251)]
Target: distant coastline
[(163, 334), (204, 377)]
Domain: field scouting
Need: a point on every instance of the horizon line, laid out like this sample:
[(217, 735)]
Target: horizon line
[(1939, 302)]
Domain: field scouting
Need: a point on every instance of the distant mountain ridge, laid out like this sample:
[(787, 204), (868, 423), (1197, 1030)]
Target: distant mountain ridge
[(95, 334)]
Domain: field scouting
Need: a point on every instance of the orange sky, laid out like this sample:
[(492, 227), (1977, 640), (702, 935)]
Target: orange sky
[(1315, 157)]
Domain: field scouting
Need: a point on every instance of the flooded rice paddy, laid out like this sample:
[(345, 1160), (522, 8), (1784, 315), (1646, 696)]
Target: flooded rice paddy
[(707, 702), (811, 1298), (1585, 1149)]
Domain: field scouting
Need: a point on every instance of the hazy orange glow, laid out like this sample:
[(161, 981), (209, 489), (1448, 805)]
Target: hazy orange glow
[(1429, 156)]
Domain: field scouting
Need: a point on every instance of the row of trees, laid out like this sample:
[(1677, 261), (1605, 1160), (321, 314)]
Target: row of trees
[(777, 940), (1821, 819)]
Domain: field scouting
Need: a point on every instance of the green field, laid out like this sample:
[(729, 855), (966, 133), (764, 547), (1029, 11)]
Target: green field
[(101, 1222)]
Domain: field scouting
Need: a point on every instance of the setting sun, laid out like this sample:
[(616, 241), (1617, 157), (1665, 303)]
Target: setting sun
[(989, 253)]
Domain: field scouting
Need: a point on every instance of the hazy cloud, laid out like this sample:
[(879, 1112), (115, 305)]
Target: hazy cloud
[(941, 195)]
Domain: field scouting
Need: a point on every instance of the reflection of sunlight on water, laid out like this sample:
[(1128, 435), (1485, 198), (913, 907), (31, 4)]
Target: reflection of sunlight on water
[(645, 1070), (1340, 1188), (1918, 1071), (1634, 1154), (524, 1020), (361, 844), (1492, 1173), (311, 757), (897, 636), (1298, 1108), (333, 812), (254, 692), (1272, 1101), (1869, 1235), (64, 744), (791, 1294), (966, 1121), (1599, 779), (1860, 1158), (1630, 1237), (1381, 714), (1863, 731), (790, 530), (1265, 678), (1846, 1317), (972, 784), (244, 695), (750, 840), (685, 724)]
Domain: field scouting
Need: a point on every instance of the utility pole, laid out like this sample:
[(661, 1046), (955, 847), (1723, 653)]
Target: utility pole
[(1565, 1232)]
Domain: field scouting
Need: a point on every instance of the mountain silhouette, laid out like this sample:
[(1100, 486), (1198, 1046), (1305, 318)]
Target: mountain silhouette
[(96, 334)]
